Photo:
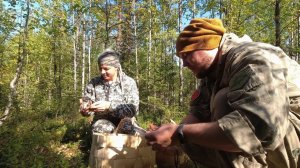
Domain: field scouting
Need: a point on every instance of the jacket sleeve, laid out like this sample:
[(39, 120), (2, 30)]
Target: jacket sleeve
[(130, 106), (200, 102), (88, 97), (258, 97), (89, 91)]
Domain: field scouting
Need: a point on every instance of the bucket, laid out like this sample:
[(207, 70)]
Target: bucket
[(111, 150)]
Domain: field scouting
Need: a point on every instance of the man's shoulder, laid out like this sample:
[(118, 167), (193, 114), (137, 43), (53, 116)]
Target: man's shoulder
[(249, 51), (233, 43)]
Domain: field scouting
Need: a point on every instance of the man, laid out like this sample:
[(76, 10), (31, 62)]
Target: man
[(239, 116)]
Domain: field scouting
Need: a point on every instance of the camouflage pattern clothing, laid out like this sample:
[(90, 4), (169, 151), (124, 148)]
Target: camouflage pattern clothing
[(250, 101), (123, 95)]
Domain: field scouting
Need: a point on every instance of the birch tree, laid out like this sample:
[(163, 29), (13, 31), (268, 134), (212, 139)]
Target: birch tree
[(134, 22), (75, 29), (277, 23), (181, 78), (20, 63)]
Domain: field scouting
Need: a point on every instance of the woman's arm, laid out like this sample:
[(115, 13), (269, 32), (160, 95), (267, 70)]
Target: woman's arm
[(129, 107)]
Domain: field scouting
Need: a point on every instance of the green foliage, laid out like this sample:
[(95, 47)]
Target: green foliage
[(157, 112), (3, 97), (7, 24), (30, 139)]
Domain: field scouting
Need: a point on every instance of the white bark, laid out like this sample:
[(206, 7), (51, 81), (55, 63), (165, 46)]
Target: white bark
[(149, 49), (180, 61), (14, 82), (75, 42), (135, 43), (83, 55)]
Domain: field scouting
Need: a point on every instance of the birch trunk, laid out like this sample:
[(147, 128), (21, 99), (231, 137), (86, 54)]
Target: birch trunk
[(194, 9), (83, 55), (90, 44), (277, 23), (75, 42), (180, 61), (298, 44), (135, 43), (20, 63), (119, 34), (106, 24), (150, 50)]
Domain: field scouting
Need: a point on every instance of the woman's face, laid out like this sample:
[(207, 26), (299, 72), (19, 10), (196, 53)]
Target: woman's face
[(109, 73)]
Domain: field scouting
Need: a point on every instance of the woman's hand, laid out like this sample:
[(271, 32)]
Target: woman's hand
[(84, 106), (100, 106)]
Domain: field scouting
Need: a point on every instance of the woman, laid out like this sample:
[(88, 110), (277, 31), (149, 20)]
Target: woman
[(111, 97)]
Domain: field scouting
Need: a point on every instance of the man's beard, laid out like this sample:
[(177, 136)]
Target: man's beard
[(209, 72)]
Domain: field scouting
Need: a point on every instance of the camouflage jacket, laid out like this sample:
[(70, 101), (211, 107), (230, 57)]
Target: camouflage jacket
[(123, 95), (250, 101)]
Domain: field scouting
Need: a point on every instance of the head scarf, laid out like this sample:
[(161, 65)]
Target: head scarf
[(109, 57)]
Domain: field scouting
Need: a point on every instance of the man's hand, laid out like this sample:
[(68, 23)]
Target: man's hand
[(100, 106), (161, 138)]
